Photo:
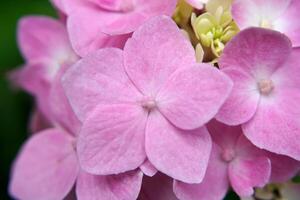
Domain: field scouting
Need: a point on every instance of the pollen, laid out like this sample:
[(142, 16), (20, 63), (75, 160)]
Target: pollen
[(265, 86)]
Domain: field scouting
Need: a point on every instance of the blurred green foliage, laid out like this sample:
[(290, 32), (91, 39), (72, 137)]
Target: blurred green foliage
[(15, 106)]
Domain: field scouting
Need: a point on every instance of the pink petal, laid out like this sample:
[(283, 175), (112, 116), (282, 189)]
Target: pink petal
[(243, 100), (249, 13), (38, 122), (99, 78), (257, 51), (244, 174), (46, 168), (60, 107), (148, 169), (115, 187), (158, 187), (288, 24), (155, 51), (112, 139), (193, 95), (199, 4), (182, 155), (43, 39), (214, 185), (283, 168)]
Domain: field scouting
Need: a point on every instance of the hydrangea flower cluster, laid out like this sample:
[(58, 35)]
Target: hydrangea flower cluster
[(161, 100)]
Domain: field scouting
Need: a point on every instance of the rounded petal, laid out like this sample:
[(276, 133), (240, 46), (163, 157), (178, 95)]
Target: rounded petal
[(182, 155), (192, 96), (112, 139), (288, 24), (214, 185), (46, 167), (155, 51), (114, 187), (44, 39), (99, 78), (256, 51), (243, 100), (249, 13), (245, 174)]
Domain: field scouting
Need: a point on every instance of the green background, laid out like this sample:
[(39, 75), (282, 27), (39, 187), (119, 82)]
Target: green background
[(15, 106)]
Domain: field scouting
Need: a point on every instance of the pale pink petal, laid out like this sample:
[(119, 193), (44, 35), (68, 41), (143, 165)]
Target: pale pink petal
[(223, 135), (112, 139), (46, 167), (288, 22), (193, 95), (199, 4), (182, 155), (115, 187), (244, 174), (243, 100), (148, 169), (257, 51), (274, 127), (99, 78), (214, 185), (283, 168), (155, 51), (249, 13), (60, 107), (43, 39), (158, 187)]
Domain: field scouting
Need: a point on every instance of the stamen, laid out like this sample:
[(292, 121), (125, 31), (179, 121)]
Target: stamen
[(265, 86), (148, 103), (228, 155)]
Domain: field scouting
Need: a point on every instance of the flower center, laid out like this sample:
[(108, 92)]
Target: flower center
[(264, 23), (228, 155), (148, 103), (265, 86)]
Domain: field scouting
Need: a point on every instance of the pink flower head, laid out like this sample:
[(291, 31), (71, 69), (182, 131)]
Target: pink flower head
[(280, 15), (93, 24), (47, 168), (148, 101), (234, 162), (266, 94), (47, 51)]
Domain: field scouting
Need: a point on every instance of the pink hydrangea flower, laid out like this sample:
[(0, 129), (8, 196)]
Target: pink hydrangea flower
[(47, 166), (280, 15), (266, 94), (93, 24), (148, 101), (47, 51), (237, 163)]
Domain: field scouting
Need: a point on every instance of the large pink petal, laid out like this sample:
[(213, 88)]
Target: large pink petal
[(115, 187), (192, 96), (249, 13), (46, 168), (243, 100), (155, 51), (99, 78), (183, 155), (244, 174), (288, 22), (257, 51), (158, 187), (43, 39), (112, 139), (214, 185)]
